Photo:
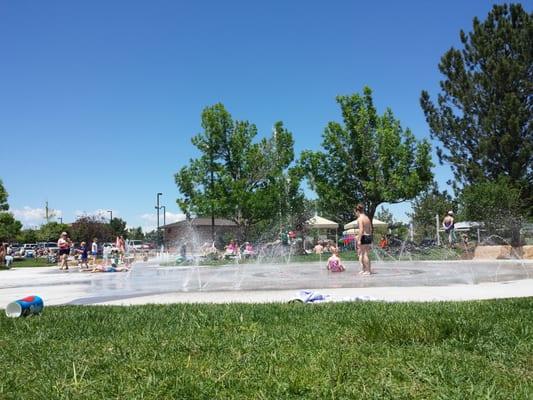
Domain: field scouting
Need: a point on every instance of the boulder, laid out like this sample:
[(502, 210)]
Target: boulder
[(503, 252)]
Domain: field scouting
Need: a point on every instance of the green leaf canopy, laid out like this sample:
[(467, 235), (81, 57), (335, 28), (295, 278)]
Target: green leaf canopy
[(369, 159)]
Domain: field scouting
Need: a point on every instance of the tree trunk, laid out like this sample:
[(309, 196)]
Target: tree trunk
[(371, 211)]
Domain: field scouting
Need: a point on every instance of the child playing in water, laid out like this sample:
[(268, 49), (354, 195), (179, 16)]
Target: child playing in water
[(248, 250), (84, 256), (232, 250), (334, 262), (114, 267), (109, 268), (94, 250)]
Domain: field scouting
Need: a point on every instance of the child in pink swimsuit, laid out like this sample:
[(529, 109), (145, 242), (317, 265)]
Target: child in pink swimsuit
[(334, 262)]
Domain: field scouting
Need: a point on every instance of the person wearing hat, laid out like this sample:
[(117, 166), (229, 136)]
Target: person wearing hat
[(64, 244), (448, 225)]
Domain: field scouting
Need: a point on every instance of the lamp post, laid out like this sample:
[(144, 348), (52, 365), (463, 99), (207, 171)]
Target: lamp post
[(60, 220), (157, 208), (164, 223), (164, 215), (110, 215)]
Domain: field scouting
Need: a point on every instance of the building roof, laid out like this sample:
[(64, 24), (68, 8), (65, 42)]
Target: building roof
[(201, 221)]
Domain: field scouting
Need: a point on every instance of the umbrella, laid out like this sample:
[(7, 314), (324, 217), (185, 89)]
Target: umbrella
[(376, 223), (321, 223)]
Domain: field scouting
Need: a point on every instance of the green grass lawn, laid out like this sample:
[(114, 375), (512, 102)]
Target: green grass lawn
[(363, 350), (30, 262), (437, 253)]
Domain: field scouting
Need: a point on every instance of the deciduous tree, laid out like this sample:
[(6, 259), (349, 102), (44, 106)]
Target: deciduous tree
[(4, 206), (118, 227), (385, 215), (50, 232), (369, 159), (9, 227), (426, 207), (27, 236), (236, 177), (85, 228), (496, 204), (135, 233)]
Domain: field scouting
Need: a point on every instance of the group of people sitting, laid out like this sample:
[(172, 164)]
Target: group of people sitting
[(6, 255), (233, 250), (324, 247)]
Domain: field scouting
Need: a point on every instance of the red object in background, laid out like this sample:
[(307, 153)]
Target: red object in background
[(348, 239), (292, 235)]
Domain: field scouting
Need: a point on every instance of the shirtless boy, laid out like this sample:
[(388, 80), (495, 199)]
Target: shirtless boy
[(364, 238), (448, 225)]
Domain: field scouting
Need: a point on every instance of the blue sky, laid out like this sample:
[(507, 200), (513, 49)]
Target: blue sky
[(99, 99)]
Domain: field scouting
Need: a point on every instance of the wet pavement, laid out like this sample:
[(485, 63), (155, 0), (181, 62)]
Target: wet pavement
[(152, 282)]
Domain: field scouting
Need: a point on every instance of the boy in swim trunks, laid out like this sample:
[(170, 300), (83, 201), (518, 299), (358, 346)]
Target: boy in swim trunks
[(364, 239), (84, 256), (449, 227)]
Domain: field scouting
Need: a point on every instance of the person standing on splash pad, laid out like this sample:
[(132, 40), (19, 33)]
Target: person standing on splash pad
[(64, 244), (84, 256), (94, 250), (364, 239), (120, 244)]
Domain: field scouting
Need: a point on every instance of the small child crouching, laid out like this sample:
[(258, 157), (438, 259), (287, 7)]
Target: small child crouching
[(334, 262)]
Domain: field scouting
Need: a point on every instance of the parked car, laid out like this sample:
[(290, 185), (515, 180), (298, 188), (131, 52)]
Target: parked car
[(137, 245), (28, 250), (46, 245), (109, 246), (51, 246)]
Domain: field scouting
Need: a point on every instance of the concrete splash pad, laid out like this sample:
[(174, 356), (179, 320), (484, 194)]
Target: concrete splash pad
[(392, 281)]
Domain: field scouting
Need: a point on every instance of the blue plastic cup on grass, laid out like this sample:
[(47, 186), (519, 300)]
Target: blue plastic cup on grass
[(31, 305)]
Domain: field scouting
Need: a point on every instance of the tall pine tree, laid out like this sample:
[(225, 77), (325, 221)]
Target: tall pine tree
[(483, 114)]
